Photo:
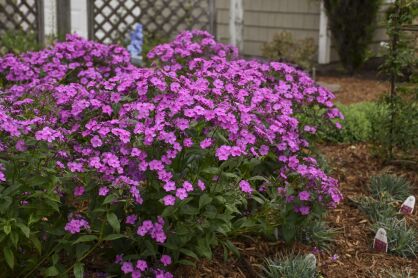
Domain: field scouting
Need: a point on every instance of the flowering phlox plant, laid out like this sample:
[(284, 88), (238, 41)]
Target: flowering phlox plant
[(164, 156)]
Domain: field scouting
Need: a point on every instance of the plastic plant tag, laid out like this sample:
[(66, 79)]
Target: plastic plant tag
[(408, 206), (380, 242)]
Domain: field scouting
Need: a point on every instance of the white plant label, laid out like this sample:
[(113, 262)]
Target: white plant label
[(408, 206), (380, 242)]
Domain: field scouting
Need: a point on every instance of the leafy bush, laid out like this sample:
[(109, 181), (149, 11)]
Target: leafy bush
[(292, 266), (357, 126), (397, 187), (395, 126), (17, 42), (352, 24), (284, 48), (153, 165), (402, 240)]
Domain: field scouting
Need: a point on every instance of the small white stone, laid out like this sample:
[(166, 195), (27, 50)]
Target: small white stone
[(408, 205), (380, 242)]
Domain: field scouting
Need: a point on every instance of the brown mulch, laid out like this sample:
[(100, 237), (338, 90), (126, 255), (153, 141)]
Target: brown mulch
[(356, 89), (353, 165)]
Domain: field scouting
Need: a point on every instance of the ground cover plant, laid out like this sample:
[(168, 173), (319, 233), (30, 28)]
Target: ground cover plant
[(151, 166)]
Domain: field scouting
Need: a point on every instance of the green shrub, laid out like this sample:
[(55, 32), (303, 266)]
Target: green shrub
[(291, 266), (397, 187), (285, 48), (18, 42), (394, 126), (356, 125), (352, 24), (402, 240)]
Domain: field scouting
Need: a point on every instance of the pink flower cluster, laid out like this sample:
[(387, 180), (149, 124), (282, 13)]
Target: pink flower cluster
[(155, 230), (100, 114), (142, 268), (75, 225)]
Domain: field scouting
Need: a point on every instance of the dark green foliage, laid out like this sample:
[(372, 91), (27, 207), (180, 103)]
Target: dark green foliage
[(397, 187), (291, 266), (402, 240), (352, 24)]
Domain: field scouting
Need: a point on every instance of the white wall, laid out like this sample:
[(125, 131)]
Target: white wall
[(78, 17)]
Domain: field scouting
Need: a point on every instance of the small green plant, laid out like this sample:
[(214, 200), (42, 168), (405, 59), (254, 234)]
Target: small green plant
[(397, 187), (285, 48), (290, 266), (401, 273), (352, 24), (18, 42), (402, 240), (376, 210), (318, 234)]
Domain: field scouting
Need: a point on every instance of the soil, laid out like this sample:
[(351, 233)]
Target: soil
[(357, 89)]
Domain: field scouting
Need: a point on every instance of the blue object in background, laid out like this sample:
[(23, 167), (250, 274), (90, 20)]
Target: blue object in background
[(135, 46)]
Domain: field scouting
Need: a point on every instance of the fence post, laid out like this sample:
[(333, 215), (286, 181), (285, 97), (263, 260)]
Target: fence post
[(236, 23), (90, 19), (63, 18), (40, 22), (212, 18)]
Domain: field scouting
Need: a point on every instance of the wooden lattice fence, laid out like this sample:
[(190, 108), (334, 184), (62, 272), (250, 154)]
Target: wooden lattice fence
[(25, 15), (110, 21)]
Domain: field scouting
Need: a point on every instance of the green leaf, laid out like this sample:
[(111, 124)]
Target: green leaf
[(289, 232), (7, 229), (231, 247), (112, 219), (14, 238), (204, 200), (5, 203), (85, 238), (189, 253), (78, 270), (51, 271), (113, 236), (25, 229), (203, 249), (211, 170), (9, 257), (36, 243), (109, 198)]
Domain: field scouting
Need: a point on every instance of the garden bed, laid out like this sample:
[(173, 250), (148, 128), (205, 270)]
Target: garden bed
[(352, 255)]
